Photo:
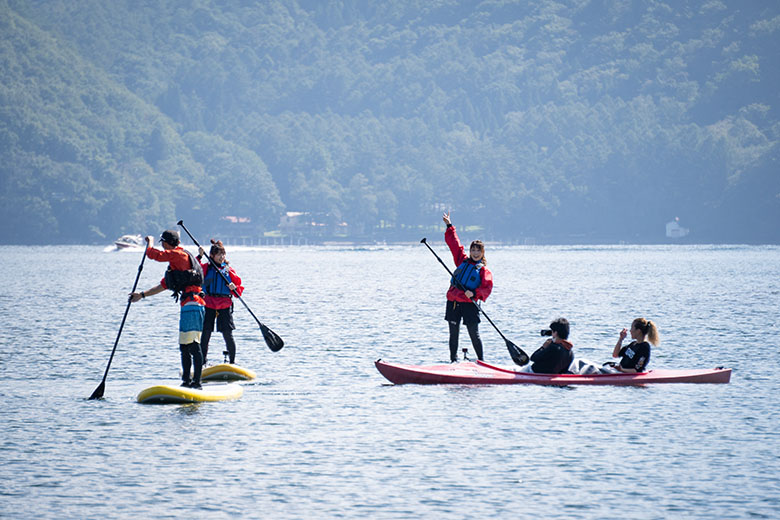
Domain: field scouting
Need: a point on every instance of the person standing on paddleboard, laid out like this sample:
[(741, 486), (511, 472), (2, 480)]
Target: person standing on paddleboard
[(635, 356), (184, 277), (472, 281), (219, 299)]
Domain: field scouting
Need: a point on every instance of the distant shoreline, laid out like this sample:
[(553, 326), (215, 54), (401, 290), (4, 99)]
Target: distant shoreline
[(406, 243)]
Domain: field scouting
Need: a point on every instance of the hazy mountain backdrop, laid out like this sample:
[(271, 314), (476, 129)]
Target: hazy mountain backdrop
[(560, 121)]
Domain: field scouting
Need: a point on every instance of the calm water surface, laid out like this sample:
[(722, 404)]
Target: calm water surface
[(321, 433)]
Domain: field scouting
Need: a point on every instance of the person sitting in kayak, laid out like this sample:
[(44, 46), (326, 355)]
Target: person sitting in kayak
[(635, 356), (555, 355), (219, 299), (472, 281)]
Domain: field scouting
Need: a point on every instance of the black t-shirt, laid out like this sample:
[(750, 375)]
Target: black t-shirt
[(552, 359), (635, 355)]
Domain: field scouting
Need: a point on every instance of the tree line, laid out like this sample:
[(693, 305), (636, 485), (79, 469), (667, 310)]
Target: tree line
[(592, 120)]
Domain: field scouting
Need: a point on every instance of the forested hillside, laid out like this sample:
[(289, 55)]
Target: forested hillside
[(565, 121)]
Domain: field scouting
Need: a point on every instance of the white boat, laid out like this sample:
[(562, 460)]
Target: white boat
[(128, 241)]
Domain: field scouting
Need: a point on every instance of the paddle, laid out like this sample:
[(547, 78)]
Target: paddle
[(516, 353), (274, 342), (98, 393)]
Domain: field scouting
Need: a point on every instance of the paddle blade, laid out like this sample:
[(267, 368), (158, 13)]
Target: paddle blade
[(274, 342), (98, 393), (517, 354)]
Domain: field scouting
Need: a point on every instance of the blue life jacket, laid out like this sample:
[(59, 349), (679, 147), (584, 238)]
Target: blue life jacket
[(214, 284), (467, 276)]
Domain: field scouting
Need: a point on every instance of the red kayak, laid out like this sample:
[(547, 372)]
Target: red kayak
[(480, 373)]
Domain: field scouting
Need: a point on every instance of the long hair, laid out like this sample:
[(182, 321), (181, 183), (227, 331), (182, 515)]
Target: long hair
[(648, 328), (479, 245)]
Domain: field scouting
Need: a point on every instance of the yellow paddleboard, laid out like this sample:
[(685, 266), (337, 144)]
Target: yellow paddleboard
[(169, 394), (227, 372)]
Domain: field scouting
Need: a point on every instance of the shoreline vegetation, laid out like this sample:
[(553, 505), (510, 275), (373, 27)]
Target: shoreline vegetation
[(556, 121), (379, 244)]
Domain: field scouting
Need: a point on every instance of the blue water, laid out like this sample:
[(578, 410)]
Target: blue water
[(322, 434)]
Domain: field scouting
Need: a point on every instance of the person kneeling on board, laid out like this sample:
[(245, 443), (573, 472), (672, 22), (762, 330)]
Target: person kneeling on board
[(184, 277), (555, 355)]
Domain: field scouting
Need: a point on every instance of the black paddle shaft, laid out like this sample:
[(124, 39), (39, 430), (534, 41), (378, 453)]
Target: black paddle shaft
[(98, 393), (517, 354), (274, 342)]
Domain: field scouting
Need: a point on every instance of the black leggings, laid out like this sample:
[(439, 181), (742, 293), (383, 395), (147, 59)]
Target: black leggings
[(230, 343), (227, 332), (191, 356), (476, 341)]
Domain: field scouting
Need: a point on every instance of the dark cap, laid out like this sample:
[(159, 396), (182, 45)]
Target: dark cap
[(170, 236)]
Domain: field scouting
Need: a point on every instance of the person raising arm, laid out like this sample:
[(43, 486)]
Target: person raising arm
[(472, 281), (635, 356)]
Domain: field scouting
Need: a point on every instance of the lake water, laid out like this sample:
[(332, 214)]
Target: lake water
[(322, 434)]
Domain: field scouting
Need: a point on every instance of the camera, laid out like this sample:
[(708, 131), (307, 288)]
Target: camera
[(546, 332)]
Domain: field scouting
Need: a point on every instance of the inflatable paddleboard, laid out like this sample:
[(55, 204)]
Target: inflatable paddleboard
[(227, 372), (481, 373), (170, 394)]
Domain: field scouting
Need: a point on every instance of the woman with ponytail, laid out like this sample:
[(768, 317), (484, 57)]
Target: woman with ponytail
[(219, 299), (635, 356)]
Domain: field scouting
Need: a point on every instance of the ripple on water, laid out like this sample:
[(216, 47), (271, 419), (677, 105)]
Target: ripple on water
[(322, 433)]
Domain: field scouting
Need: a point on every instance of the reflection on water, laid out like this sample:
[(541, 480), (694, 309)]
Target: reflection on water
[(189, 409)]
